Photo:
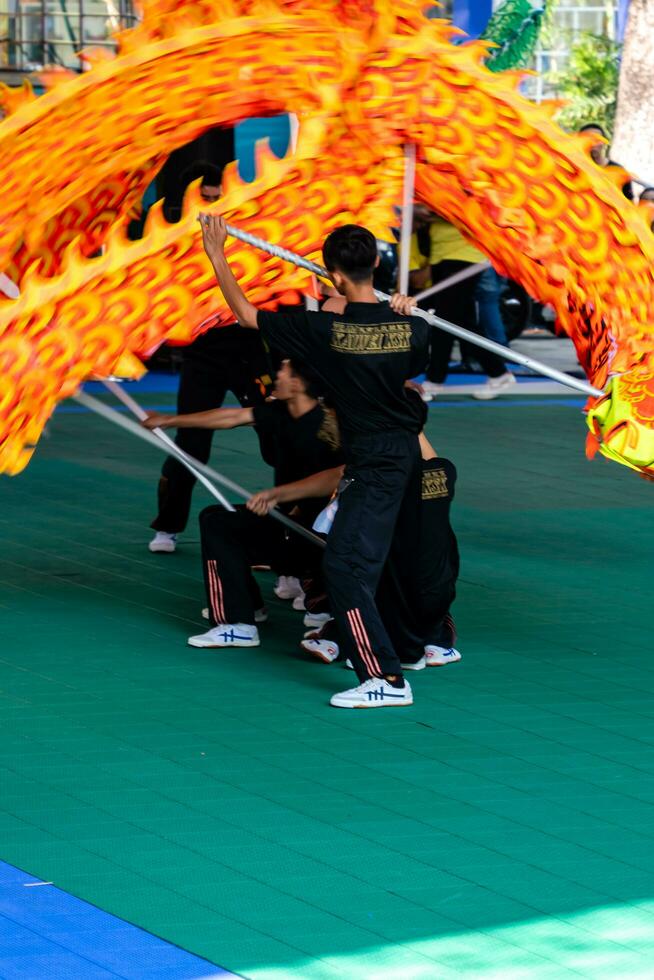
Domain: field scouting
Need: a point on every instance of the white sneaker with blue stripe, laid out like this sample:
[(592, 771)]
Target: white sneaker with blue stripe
[(439, 656), (374, 693), (227, 635)]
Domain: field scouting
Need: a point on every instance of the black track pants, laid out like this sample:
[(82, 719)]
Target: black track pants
[(233, 542), (457, 304), (382, 477)]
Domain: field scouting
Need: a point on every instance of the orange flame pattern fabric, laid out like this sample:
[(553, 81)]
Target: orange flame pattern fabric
[(364, 78)]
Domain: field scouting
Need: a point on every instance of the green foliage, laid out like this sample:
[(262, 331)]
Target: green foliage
[(589, 83), (514, 27)]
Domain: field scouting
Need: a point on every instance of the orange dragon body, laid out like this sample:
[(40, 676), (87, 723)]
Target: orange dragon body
[(364, 79)]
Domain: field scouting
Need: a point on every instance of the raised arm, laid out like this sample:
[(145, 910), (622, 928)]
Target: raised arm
[(214, 233), (321, 484), (215, 418)]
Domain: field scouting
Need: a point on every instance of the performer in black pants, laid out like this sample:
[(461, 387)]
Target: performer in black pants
[(439, 563), (418, 584), (363, 357), (457, 304), (300, 437), (422, 570), (222, 359), (231, 544)]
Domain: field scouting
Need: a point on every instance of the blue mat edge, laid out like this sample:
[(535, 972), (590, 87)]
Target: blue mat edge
[(31, 911)]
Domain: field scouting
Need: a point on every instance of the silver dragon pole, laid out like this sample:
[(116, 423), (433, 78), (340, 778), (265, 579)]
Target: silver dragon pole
[(505, 352)]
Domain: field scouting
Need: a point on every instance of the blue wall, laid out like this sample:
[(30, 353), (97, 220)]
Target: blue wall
[(472, 15), (276, 128)]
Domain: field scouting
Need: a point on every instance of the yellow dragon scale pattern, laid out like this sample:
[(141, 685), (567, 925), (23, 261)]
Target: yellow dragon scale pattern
[(364, 79)]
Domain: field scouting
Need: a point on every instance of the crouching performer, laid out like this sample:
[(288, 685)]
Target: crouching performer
[(299, 437)]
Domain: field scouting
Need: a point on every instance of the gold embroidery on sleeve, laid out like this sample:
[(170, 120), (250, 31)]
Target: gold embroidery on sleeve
[(434, 484), (328, 431)]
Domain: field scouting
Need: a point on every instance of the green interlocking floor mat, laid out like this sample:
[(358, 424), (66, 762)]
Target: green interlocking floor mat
[(502, 827)]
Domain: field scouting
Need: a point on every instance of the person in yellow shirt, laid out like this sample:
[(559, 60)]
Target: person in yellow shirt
[(439, 251)]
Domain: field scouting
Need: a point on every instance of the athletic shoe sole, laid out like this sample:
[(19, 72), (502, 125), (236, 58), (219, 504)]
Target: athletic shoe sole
[(223, 646), (373, 704), (441, 663)]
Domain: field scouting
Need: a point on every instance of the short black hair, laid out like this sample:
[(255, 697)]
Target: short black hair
[(351, 250), (307, 375), (210, 173), (596, 126)]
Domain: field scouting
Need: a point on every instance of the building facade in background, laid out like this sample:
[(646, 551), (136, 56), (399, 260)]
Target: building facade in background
[(566, 22), (35, 33)]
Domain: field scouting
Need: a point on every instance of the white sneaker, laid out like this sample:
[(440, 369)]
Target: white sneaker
[(316, 620), (430, 390), (288, 587), (374, 693), (163, 543), (439, 656), (298, 603), (418, 665), (227, 635), (494, 387), (325, 650), (260, 615)]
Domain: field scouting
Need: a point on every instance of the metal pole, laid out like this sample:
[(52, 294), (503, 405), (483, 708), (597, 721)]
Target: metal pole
[(452, 280), (407, 216), (172, 446), (136, 430), (504, 352)]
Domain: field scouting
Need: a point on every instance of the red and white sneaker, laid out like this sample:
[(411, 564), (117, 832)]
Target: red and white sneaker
[(325, 650)]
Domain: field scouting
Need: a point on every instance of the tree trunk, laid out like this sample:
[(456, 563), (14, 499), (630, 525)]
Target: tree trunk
[(633, 142)]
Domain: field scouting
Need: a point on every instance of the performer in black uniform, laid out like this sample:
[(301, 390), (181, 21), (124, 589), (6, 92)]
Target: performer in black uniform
[(418, 584), (422, 569), (299, 436), (363, 357), (222, 359)]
